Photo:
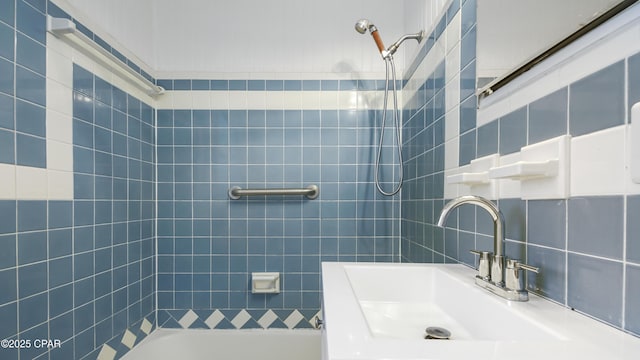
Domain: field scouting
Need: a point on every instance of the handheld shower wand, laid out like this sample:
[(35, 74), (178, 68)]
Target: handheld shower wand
[(387, 54), (363, 25)]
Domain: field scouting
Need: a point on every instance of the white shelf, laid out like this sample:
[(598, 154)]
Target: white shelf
[(542, 169), (469, 178), (473, 179), (525, 170)]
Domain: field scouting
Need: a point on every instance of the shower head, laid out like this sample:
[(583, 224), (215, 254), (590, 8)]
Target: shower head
[(363, 25)]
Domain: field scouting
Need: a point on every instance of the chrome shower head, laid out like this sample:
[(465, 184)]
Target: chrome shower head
[(362, 25)]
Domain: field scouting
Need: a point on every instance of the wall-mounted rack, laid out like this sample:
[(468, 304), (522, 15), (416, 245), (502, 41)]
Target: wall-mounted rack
[(311, 192), (66, 29)]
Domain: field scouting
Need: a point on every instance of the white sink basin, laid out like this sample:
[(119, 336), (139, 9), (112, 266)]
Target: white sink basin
[(395, 308), (381, 311)]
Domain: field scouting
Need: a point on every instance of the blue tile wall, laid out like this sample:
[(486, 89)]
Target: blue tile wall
[(208, 244), (577, 242), (22, 84)]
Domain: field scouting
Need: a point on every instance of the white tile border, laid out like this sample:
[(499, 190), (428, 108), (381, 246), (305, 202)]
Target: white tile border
[(597, 163)]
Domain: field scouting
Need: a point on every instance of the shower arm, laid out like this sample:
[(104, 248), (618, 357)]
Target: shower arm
[(394, 47)]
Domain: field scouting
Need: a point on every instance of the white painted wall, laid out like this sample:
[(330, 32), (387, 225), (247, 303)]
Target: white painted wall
[(510, 32), (128, 23), (252, 38), (277, 36)]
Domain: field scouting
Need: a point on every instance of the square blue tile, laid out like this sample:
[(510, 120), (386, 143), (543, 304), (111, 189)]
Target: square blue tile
[(7, 113), (9, 320), (596, 226), (7, 147), (468, 81), (83, 81), (60, 271), (275, 85), (32, 247), (467, 148), (181, 84), (30, 86), (487, 139), (514, 212), (469, 17), (32, 279), (513, 131), (468, 47), (30, 119), (30, 22), (7, 11), (200, 84), (548, 116), (219, 85), (597, 101), (7, 40), (40, 5), (32, 215), (33, 311), (547, 223), (632, 296), (633, 229), (8, 257), (31, 54), (293, 85), (595, 287), (237, 85), (9, 293), (60, 243), (7, 76)]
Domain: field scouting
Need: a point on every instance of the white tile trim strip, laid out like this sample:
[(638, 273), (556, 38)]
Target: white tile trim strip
[(272, 100)]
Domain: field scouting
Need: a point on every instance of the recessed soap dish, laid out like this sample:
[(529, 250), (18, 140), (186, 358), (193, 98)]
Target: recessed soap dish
[(265, 283)]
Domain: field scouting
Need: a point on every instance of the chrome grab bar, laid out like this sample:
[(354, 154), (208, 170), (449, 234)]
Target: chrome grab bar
[(311, 192)]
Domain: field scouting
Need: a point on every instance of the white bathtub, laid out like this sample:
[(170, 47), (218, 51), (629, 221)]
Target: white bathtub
[(272, 344)]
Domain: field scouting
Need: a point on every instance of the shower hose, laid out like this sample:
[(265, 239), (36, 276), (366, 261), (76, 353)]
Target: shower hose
[(396, 124)]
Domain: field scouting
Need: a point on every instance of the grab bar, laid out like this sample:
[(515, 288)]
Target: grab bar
[(311, 192)]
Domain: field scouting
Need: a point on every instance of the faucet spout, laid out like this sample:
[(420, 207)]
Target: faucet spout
[(496, 215), (509, 284)]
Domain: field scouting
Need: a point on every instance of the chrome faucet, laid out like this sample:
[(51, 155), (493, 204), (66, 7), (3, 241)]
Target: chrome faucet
[(492, 275)]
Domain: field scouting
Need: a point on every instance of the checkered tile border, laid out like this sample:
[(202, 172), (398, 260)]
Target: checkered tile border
[(237, 319)]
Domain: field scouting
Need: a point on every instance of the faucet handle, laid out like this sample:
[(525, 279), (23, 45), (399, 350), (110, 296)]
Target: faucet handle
[(484, 266), (513, 278), (515, 264)]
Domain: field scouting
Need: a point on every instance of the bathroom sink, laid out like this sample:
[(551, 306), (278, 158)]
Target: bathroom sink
[(402, 303), (381, 311)]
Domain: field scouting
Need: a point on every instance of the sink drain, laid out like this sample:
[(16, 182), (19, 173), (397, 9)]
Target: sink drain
[(437, 333)]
